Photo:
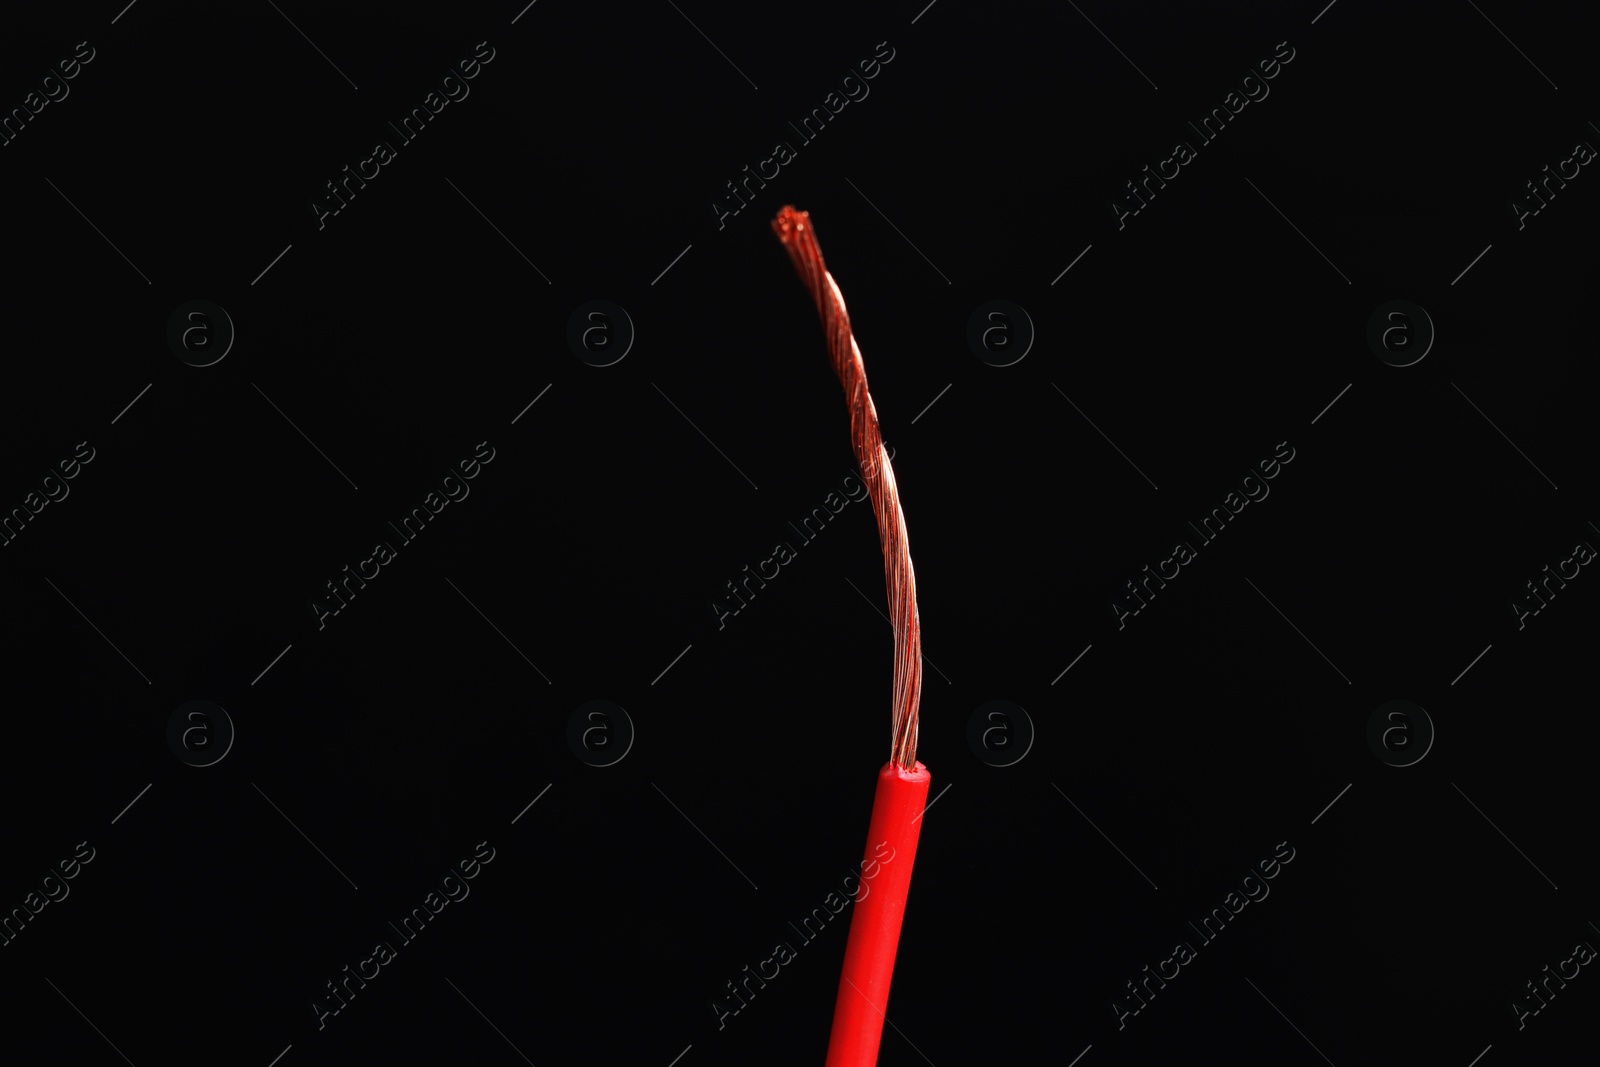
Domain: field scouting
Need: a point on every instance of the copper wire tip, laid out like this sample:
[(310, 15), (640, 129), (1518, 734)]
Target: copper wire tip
[(787, 219), (799, 238)]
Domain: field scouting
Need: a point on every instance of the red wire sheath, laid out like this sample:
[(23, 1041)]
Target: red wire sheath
[(858, 1014)]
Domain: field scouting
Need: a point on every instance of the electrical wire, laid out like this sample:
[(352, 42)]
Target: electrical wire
[(794, 229), (902, 789)]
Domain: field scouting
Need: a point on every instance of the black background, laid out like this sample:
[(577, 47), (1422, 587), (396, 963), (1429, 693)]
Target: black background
[(1175, 753)]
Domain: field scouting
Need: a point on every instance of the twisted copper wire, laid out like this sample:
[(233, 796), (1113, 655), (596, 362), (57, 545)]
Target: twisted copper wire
[(794, 229)]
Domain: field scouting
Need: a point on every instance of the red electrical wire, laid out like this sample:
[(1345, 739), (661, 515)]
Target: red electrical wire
[(902, 792)]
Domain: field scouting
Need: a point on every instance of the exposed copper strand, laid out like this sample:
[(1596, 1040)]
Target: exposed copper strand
[(795, 231)]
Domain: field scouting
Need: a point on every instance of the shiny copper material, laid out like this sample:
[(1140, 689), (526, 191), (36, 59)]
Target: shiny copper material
[(794, 229)]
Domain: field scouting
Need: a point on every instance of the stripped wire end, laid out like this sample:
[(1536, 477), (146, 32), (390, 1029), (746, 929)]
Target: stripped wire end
[(794, 229)]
